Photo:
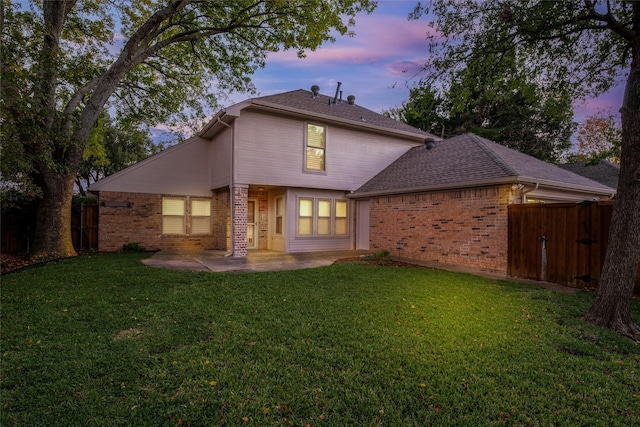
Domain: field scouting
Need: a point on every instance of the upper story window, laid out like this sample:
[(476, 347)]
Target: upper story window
[(315, 149)]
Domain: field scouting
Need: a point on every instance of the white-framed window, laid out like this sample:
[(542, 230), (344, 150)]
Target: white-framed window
[(341, 225), (322, 217), (305, 217), (279, 215), (177, 219), (173, 215), (200, 216), (315, 148)]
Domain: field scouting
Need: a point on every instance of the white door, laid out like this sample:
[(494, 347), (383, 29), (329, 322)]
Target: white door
[(252, 225)]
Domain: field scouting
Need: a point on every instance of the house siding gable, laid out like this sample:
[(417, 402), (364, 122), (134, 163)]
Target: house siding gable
[(181, 169), (272, 153)]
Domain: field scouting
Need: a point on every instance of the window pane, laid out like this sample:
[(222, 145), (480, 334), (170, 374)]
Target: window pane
[(315, 136), (279, 206), (324, 225), (173, 225), (306, 207), (341, 209), (305, 226), (172, 206), (324, 208), (201, 225), (315, 159), (278, 225), (200, 208), (341, 226)]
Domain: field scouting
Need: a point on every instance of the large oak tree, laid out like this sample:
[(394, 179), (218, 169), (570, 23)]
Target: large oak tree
[(65, 61), (581, 46)]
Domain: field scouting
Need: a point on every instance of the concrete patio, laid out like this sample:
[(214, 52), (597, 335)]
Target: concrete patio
[(256, 260)]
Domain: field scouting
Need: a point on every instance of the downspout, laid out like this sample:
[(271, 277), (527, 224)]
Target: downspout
[(231, 170)]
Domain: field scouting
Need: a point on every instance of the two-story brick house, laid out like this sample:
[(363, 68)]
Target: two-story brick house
[(301, 171)]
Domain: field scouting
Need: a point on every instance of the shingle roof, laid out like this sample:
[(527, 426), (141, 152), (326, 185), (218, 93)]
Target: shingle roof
[(303, 100), (467, 160), (605, 172)]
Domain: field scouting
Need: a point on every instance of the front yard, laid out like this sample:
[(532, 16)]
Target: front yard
[(103, 340)]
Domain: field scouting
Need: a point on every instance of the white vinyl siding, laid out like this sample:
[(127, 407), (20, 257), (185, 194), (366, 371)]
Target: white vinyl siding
[(173, 216), (271, 151), (315, 148), (200, 216)]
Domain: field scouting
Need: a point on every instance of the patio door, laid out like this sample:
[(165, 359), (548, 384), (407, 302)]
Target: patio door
[(252, 226)]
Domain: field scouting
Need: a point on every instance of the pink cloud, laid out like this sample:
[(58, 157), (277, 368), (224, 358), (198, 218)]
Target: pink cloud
[(379, 39)]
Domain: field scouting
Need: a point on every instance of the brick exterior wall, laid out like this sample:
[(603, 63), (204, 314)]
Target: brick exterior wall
[(240, 196), (462, 227), (137, 218)]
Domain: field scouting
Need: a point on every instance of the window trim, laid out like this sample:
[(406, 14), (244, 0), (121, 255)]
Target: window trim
[(315, 217), (187, 216), (191, 216), (183, 216), (305, 166)]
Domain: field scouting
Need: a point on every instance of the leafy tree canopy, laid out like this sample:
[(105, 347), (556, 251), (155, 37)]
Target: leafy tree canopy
[(63, 62), (494, 98)]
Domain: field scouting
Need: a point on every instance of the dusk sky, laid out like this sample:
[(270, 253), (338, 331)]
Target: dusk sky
[(377, 65)]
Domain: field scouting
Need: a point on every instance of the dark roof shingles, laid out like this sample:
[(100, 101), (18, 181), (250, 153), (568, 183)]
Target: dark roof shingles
[(322, 104), (605, 172), (465, 159)]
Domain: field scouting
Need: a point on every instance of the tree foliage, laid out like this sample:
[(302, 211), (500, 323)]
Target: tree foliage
[(112, 147), (65, 61), (599, 138), (494, 98), (578, 47)]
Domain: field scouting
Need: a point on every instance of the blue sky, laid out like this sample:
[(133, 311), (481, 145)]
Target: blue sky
[(377, 65)]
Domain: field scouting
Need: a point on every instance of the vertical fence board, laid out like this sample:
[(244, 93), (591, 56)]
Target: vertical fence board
[(577, 236)]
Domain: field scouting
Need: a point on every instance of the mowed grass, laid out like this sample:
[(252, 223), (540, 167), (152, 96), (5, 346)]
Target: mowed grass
[(103, 340)]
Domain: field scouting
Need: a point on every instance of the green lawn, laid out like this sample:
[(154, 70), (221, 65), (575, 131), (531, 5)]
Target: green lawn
[(103, 340)]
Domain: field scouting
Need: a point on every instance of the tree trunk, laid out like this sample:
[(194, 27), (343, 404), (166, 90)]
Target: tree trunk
[(53, 226), (612, 306)]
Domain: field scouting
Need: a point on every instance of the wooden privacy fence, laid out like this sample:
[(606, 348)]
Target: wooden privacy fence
[(16, 235), (562, 243)]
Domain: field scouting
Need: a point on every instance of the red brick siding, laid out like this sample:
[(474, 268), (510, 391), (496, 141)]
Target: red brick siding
[(463, 227), (137, 218)]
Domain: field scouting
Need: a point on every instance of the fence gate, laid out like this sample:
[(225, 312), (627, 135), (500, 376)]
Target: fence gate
[(562, 243)]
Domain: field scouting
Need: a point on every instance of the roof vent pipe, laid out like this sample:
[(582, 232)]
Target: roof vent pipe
[(315, 90), (429, 143), (335, 98), (351, 99)]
